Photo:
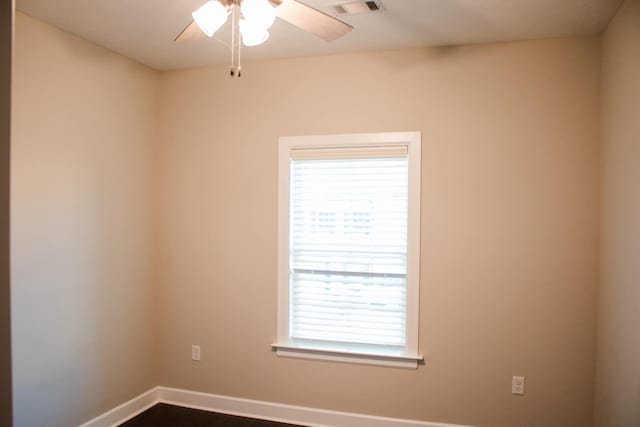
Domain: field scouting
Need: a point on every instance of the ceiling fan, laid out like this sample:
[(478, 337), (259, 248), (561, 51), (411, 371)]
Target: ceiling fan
[(250, 24)]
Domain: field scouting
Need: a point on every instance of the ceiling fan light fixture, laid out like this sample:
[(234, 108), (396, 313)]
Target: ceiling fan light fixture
[(252, 35), (210, 17), (259, 12), (251, 20)]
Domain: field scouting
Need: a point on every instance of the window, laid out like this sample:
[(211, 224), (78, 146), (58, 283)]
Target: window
[(348, 248)]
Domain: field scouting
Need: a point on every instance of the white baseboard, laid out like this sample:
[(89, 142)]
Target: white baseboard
[(126, 411), (249, 408)]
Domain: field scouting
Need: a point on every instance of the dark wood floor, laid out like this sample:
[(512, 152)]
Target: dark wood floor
[(163, 415)]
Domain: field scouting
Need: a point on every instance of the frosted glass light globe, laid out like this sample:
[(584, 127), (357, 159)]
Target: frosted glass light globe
[(210, 17), (252, 35), (259, 13)]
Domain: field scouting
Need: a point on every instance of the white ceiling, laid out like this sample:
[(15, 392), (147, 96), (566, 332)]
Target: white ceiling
[(144, 29)]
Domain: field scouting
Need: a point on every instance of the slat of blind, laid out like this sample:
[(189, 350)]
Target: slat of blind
[(348, 152), (348, 245)]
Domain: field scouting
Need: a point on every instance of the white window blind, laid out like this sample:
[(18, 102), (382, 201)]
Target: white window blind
[(348, 246)]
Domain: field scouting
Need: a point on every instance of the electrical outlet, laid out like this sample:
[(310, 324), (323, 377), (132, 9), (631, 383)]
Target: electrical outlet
[(195, 352), (517, 386)]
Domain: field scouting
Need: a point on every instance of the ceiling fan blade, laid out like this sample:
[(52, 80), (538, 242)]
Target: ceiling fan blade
[(191, 32), (311, 20)]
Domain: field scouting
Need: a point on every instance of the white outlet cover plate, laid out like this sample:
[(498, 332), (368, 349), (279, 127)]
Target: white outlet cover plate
[(195, 352), (517, 385)]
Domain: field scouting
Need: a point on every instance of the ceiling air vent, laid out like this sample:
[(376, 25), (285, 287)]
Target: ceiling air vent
[(355, 7)]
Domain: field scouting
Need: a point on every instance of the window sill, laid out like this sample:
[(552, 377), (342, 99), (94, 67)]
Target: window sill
[(389, 360)]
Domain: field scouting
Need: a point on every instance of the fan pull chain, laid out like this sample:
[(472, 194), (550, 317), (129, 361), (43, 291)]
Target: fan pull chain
[(236, 43), (239, 56), (232, 70)]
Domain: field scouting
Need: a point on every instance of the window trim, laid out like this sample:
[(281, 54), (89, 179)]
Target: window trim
[(283, 346)]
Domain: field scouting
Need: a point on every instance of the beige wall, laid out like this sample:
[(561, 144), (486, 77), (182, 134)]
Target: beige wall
[(509, 239), (509, 234), (83, 129), (618, 373), (6, 42)]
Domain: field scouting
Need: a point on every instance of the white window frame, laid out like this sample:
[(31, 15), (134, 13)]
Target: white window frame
[(284, 346)]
